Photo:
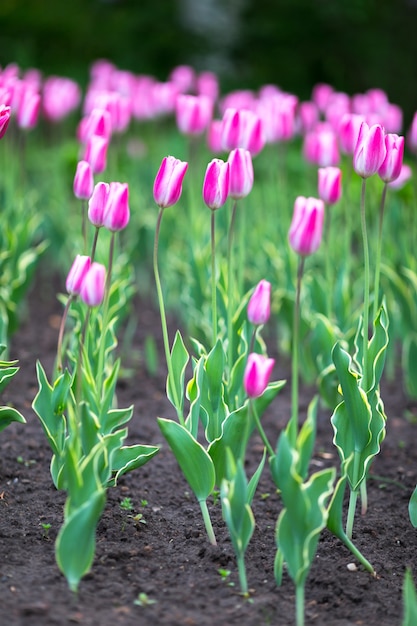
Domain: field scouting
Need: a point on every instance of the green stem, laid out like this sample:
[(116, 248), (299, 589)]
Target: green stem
[(94, 246), (84, 224), (378, 250), (230, 286), (105, 320), (213, 276), (61, 333), (351, 513), (299, 604), (293, 425), (357, 554), (366, 289), (163, 318), (261, 431), (364, 497), (207, 522), (329, 279), (242, 574)]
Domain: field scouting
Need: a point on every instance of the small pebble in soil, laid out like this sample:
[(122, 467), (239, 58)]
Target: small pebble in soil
[(352, 567)]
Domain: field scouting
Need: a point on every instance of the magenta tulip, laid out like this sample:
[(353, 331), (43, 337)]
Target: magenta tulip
[(306, 228), (392, 164), (4, 119), (167, 187), (240, 173), (411, 136), (259, 305), (28, 110), (93, 285), (348, 132), (257, 374), (370, 150), (116, 213), (77, 273), (242, 129), (330, 184), (97, 204), (216, 184), (83, 181), (193, 113), (96, 153)]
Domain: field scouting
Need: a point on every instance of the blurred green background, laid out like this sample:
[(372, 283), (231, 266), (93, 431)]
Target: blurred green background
[(352, 44)]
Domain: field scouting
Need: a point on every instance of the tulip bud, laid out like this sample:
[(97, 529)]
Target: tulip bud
[(77, 273), (167, 187), (242, 129), (4, 119), (28, 110), (391, 166), (259, 305), (193, 113), (240, 173), (257, 374), (116, 213), (96, 153), (93, 285), (330, 184), (216, 184), (370, 150), (411, 137), (97, 204), (348, 132), (83, 181), (307, 225)]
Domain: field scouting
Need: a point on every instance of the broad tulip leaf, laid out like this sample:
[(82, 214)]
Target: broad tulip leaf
[(179, 360), (8, 415), (194, 461), (409, 600), (128, 458)]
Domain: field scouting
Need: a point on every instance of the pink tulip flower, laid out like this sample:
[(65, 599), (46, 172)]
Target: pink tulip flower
[(392, 164), (403, 178), (412, 135), (167, 187), (97, 204), (370, 150), (214, 136), (240, 173), (306, 228), (83, 181), (193, 113), (216, 184), (96, 153), (242, 129), (93, 285), (4, 119), (257, 374), (348, 132), (259, 305), (116, 213), (308, 116), (77, 273), (320, 146), (28, 110), (330, 184)]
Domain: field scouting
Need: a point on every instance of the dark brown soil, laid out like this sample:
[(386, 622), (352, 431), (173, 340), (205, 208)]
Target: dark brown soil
[(169, 558)]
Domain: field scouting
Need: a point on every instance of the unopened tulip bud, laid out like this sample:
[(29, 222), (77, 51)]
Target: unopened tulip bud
[(307, 225), (83, 181), (4, 119), (28, 110), (240, 174), (348, 132), (96, 153), (167, 187), (117, 214), (259, 305), (392, 164), (97, 204), (193, 113), (93, 285), (370, 150), (216, 184), (257, 374), (242, 129), (77, 273), (330, 184)]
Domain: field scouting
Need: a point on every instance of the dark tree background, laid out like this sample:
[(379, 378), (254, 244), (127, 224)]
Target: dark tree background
[(352, 44)]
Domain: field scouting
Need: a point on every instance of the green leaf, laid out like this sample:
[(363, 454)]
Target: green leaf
[(194, 461), (409, 600), (128, 458), (412, 508), (9, 415), (179, 359), (76, 541)]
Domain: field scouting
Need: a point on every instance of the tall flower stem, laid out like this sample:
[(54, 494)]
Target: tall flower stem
[(61, 334), (163, 317), (366, 289), (213, 276), (329, 278), (105, 318), (378, 250), (293, 424), (261, 431), (230, 268)]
